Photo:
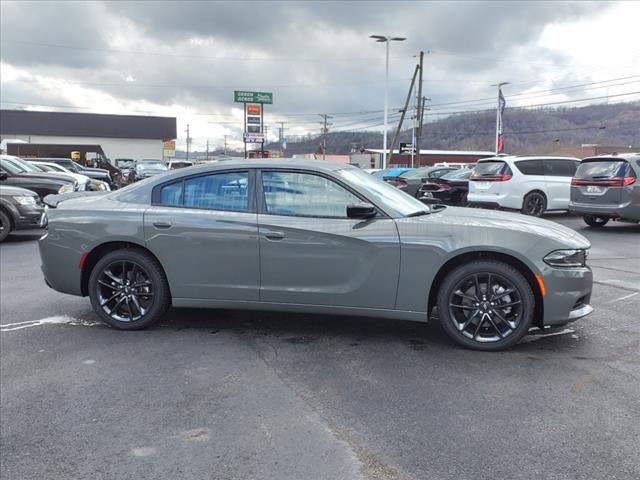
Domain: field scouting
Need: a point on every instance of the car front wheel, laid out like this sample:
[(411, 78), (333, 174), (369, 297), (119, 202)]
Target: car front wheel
[(5, 225), (128, 289), (595, 221), (485, 305)]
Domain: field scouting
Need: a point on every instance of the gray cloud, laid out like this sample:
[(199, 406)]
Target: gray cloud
[(325, 60)]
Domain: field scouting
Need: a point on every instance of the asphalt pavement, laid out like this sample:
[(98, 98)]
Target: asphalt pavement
[(255, 395)]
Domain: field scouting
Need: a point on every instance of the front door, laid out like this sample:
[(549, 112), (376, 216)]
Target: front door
[(204, 231), (311, 253)]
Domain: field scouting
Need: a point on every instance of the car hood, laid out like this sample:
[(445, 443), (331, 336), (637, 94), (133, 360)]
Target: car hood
[(507, 221), (151, 172), (11, 191), (47, 177)]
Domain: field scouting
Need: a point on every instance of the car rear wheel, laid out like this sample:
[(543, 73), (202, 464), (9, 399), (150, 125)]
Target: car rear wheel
[(485, 305), (128, 289), (5, 226), (535, 204), (461, 199), (595, 221)]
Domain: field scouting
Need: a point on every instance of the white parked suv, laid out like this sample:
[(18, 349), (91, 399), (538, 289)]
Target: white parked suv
[(532, 185)]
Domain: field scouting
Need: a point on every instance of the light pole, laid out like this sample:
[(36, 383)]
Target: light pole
[(386, 39)]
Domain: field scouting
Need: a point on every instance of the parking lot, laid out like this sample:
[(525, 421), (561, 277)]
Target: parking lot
[(227, 394)]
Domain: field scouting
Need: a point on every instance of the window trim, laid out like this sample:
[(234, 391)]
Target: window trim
[(251, 201), (262, 201)]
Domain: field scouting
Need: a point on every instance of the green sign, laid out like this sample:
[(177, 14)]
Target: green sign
[(252, 97)]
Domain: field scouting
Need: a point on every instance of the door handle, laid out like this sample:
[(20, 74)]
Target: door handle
[(274, 235), (162, 225)]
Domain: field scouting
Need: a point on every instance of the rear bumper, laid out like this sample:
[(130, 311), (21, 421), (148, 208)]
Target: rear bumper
[(626, 210), (60, 265), (494, 200), (568, 294)]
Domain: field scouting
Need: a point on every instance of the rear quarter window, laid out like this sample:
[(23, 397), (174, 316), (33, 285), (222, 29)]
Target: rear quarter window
[(560, 168)]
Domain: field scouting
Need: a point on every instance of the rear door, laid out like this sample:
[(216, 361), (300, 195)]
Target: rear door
[(312, 254), (558, 173), (203, 228), (599, 181)]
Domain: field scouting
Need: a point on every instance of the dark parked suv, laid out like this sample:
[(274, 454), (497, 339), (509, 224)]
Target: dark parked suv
[(19, 208), (606, 188)]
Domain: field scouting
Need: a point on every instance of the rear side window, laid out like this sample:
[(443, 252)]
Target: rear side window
[(601, 169), (220, 191), (530, 167), (490, 169), (560, 168)]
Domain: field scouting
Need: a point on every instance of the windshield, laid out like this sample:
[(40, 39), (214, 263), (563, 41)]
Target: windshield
[(151, 166), (457, 175), (490, 168), (383, 193), (15, 165), (125, 162)]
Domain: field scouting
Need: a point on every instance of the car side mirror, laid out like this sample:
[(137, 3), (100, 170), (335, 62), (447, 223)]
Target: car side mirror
[(361, 210), (3, 175)]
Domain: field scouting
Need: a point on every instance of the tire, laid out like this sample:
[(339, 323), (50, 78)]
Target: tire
[(461, 199), (595, 221), (5, 226), (534, 204), (459, 307), (146, 282)]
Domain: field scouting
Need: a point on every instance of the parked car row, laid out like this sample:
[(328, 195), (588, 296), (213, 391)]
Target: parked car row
[(599, 188)]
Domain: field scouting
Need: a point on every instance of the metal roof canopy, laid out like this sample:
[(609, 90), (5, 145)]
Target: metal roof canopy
[(69, 124)]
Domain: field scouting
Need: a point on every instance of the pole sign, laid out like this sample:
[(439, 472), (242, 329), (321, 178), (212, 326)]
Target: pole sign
[(241, 96), (406, 147), (253, 116)]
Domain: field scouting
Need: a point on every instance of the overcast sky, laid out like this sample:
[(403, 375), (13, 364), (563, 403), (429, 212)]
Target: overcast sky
[(185, 59)]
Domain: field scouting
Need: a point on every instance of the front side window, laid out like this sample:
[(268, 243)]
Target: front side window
[(530, 167), (304, 194), (560, 168)]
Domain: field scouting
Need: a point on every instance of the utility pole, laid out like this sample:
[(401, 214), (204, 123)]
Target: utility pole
[(188, 142), (499, 115), (422, 108), (419, 111), (207, 149), (404, 110), (325, 130), (225, 144)]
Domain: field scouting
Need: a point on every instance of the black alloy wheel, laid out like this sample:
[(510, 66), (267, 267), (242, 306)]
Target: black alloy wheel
[(595, 221), (534, 204), (486, 305), (128, 289), (5, 225)]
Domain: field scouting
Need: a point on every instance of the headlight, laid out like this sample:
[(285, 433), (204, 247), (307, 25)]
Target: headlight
[(24, 200), (567, 258), (66, 188)]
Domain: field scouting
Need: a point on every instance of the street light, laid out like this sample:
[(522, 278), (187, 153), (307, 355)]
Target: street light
[(386, 39)]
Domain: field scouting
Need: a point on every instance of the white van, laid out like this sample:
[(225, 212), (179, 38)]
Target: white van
[(532, 184)]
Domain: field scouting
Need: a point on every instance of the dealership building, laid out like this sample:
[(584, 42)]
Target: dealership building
[(51, 134)]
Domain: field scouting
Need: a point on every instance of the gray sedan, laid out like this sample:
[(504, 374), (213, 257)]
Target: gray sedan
[(311, 236)]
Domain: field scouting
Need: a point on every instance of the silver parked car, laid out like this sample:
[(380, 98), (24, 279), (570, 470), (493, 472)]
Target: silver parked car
[(607, 188), (312, 236)]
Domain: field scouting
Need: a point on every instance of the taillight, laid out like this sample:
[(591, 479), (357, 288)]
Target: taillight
[(611, 182), (493, 178)]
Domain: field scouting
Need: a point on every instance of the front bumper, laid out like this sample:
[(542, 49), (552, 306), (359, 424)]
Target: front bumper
[(28, 216), (568, 294)]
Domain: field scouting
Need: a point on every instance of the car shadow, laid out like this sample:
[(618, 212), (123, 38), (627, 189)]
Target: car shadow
[(306, 328), (23, 236)]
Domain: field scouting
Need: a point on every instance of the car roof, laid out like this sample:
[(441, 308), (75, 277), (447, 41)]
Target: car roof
[(276, 163), (613, 156)]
